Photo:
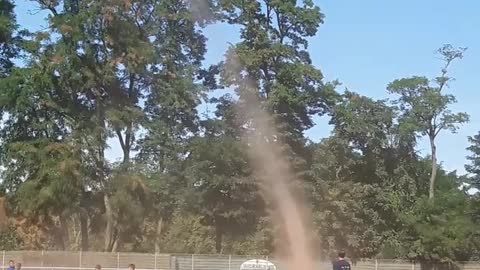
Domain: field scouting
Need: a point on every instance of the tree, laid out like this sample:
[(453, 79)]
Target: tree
[(368, 127), (130, 204), (222, 190), (474, 167), (363, 176), (7, 53), (343, 215), (177, 84), (10, 240), (132, 71), (271, 64), (271, 68), (8, 48), (425, 108), (348, 172), (86, 87), (186, 233), (91, 68), (442, 232), (41, 159)]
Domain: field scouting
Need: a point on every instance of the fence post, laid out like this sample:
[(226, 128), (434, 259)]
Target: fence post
[(229, 262), (118, 260), (42, 262), (376, 264), (193, 262), (80, 259), (3, 259), (413, 265), (155, 260)]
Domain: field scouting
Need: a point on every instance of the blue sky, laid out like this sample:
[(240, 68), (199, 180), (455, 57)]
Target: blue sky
[(366, 45)]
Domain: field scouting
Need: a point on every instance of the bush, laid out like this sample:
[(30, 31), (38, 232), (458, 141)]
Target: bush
[(10, 240)]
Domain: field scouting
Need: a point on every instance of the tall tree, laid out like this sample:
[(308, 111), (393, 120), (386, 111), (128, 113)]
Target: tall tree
[(41, 159), (87, 87), (344, 214), (176, 88), (349, 171), (425, 106), (271, 63), (7, 52), (35, 127)]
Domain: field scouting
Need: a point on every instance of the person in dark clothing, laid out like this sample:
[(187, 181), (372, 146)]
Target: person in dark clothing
[(341, 263)]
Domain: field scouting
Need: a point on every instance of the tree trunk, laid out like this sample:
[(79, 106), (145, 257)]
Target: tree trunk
[(84, 231), (115, 244), (125, 143), (158, 235), (63, 231), (126, 156), (3, 215), (100, 164), (109, 230), (218, 238), (433, 175)]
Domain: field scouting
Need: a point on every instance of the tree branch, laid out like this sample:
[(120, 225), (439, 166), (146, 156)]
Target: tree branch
[(118, 131), (48, 6)]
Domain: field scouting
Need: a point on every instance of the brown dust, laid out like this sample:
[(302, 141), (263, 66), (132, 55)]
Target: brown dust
[(276, 175)]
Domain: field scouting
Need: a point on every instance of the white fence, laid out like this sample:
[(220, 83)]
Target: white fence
[(60, 260), (64, 260)]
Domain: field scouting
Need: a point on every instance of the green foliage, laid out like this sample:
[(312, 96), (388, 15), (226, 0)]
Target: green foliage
[(186, 234), (443, 231), (425, 108), (271, 62), (130, 204), (220, 179), (10, 240), (260, 242), (8, 49), (132, 71), (345, 220), (474, 167)]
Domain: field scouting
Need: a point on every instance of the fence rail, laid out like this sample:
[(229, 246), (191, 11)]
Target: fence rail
[(63, 260)]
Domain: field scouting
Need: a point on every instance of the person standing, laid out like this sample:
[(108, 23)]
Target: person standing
[(11, 265), (341, 263)]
